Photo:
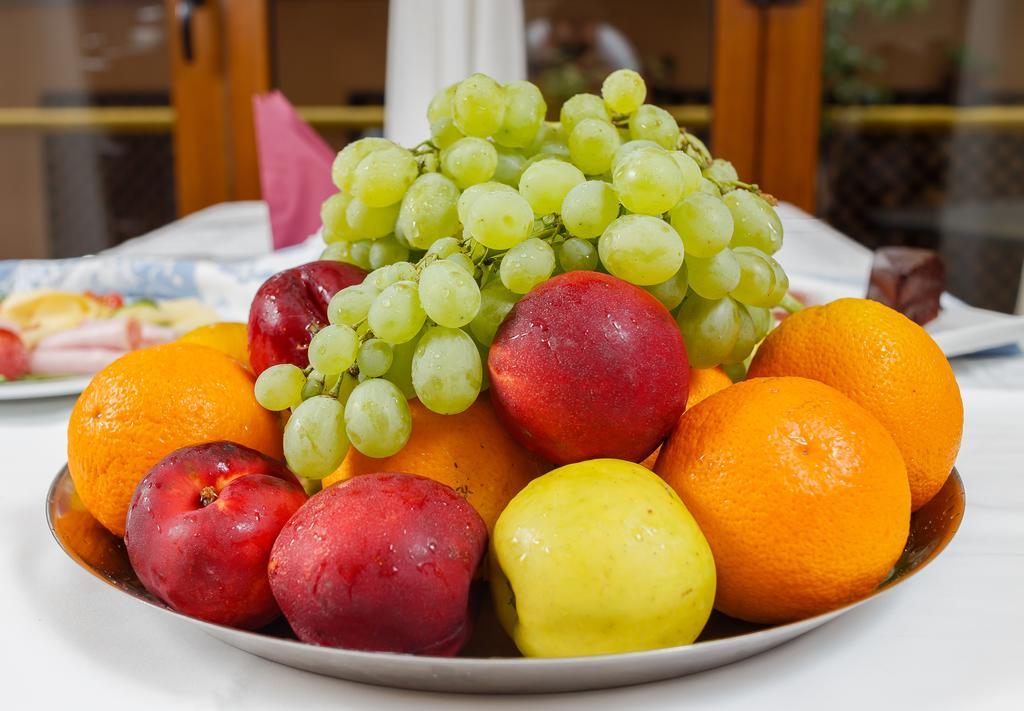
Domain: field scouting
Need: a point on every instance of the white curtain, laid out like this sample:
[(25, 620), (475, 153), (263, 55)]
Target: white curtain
[(433, 43)]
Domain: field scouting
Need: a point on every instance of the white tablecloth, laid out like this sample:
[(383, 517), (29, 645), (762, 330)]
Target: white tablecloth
[(951, 638)]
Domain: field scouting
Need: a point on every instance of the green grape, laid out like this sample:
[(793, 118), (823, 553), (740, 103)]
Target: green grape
[(429, 210), (279, 387), (545, 184), (746, 338), (396, 315), (500, 219), (345, 387), (446, 370), (400, 372), (524, 114), (449, 294), (382, 177), (370, 222), (755, 222), (359, 253), (469, 161), (708, 187), (444, 247), (334, 217), (549, 151), (387, 250), (704, 223), (648, 182), (592, 145), (470, 194), (628, 147), (624, 91), (343, 169), (377, 418), (715, 276), (463, 262), (338, 252), (589, 208), (721, 171), (510, 167), (654, 123), (478, 106), (709, 328), (441, 105), (640, 249), (374, 358), (762, 319), (380, 279), (757, 278), (444, 132), (582, 106), (526, 265), (672, 291), (314, 385), (314, 437), (690, 171), (576, 255), (548, 133), (495, 303), (350, 306), (333, 349), (781, 286)]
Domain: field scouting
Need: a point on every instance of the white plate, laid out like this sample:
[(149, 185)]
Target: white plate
[(959, 329), (35, 389)]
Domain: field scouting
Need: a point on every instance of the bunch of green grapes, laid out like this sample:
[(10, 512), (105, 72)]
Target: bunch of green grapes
[(457, 229)]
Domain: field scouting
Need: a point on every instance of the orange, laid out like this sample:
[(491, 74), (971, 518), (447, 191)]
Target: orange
[(470, 452), (886, 363), (801, 493), (149, 403), (228, 337), (703, 382)]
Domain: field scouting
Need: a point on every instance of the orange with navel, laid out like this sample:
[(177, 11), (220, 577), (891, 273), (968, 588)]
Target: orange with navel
[(471, 452), (886, 363), (149, 403), (800, 492)]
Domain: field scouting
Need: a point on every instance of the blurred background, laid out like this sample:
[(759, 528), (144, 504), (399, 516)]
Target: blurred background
[(895, 121)]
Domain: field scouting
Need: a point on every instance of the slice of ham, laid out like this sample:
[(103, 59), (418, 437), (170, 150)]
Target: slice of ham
[(115, 334), (71, 361), (153, 335)]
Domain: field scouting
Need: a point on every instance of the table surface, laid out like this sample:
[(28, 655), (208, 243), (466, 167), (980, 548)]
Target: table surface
[(951, 638)]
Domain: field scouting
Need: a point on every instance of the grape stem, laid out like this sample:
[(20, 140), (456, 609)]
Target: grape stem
[(729, 185), (703, 155), (791, 304)]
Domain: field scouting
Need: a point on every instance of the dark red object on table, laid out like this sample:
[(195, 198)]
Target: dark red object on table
[(908, 279)]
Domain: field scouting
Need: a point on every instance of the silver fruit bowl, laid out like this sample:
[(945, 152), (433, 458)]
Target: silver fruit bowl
[(490, 662)]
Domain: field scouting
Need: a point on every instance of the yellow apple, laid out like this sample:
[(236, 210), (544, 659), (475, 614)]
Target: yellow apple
[(600, 557)]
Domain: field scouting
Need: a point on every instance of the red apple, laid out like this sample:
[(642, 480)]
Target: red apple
[(201, 526), (588, 366), (290, 307), (13, 356), (381, 562)]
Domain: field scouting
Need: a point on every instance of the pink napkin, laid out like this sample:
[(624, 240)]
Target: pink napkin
[(295, 169)]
